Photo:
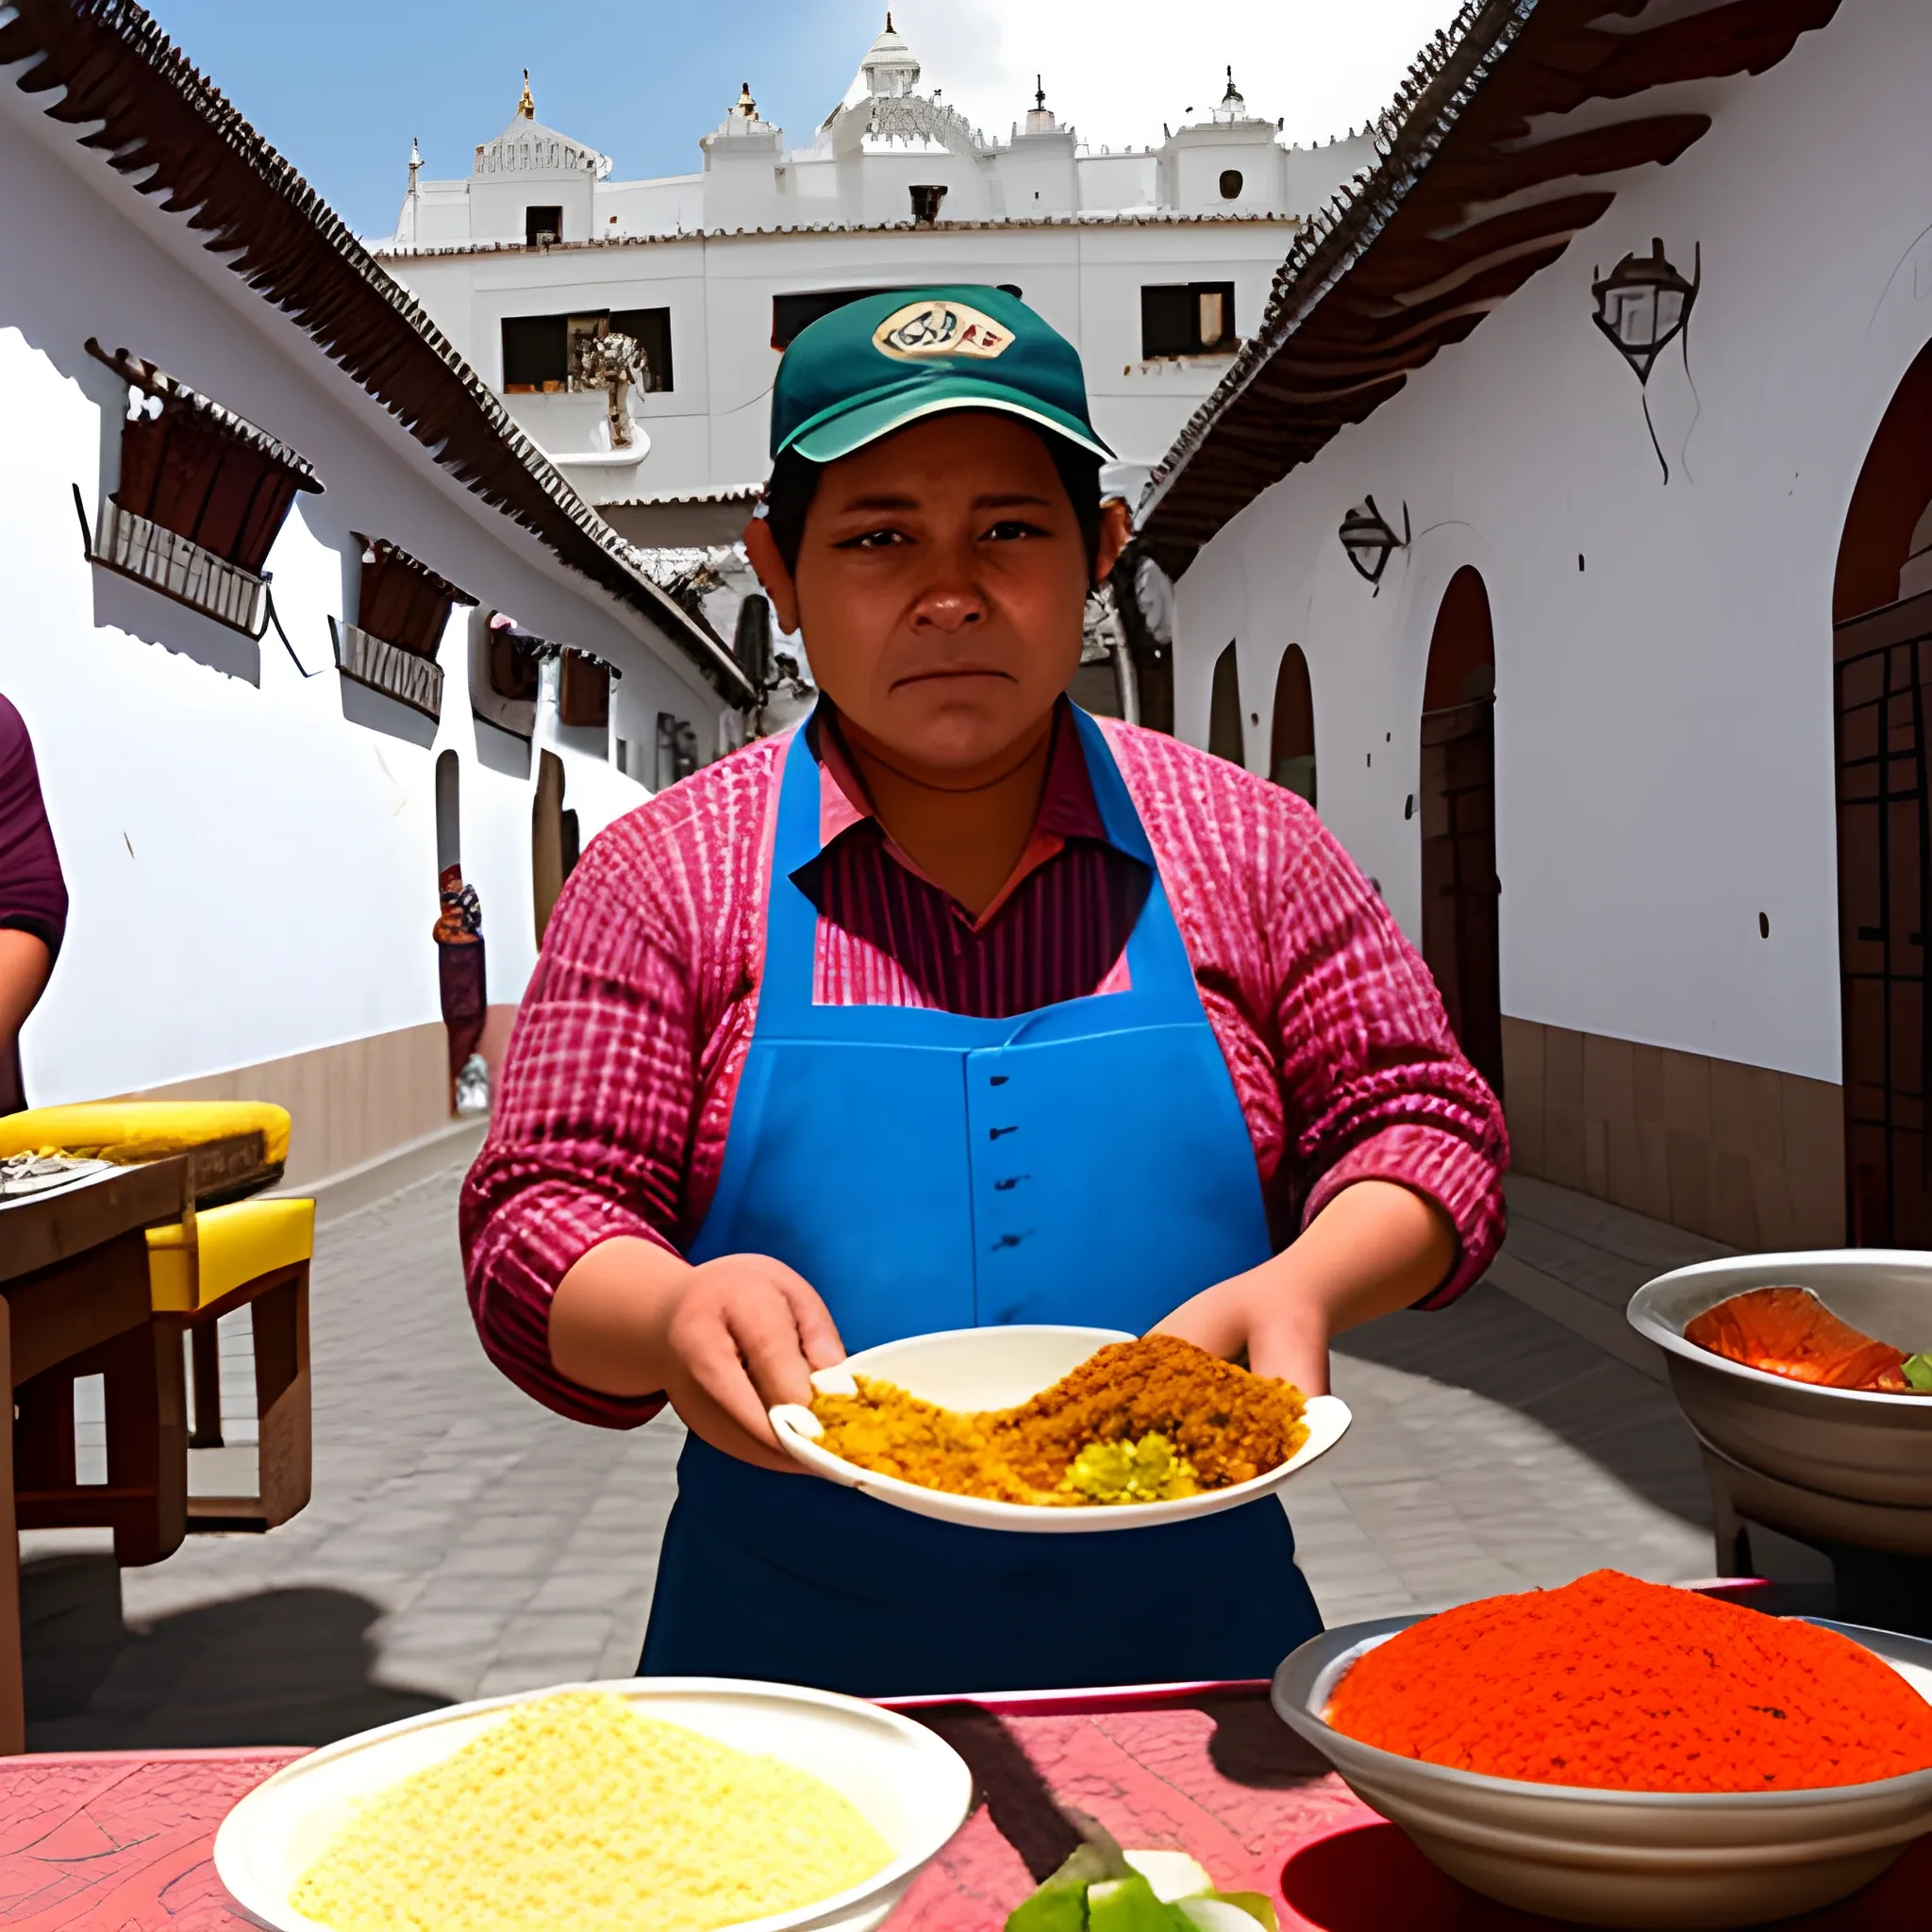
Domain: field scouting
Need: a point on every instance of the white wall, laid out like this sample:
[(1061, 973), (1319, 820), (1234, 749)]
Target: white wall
[(1663, 715), (252, 870), (712, 428)]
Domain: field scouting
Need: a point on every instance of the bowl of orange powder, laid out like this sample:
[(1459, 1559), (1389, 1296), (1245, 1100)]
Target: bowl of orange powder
[(1620, 1753)]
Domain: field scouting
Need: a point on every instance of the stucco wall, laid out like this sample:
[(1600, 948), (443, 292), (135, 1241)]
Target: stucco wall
[(1664, 739), (251, 855), (711, 426)]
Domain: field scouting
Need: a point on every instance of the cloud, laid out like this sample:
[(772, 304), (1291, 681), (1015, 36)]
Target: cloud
[(1117, 69)]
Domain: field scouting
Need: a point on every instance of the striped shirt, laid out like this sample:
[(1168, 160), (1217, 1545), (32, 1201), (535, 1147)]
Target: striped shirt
[(615, 1098)]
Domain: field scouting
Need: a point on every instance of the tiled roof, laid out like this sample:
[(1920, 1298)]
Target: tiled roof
[(1473, 196)]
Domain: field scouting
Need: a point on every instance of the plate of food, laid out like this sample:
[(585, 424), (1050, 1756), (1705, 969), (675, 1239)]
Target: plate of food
[(1625, 1752), (1055, 1430), (687, 1804)]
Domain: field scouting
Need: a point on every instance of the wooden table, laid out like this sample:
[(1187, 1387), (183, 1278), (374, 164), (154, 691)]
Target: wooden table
[(123, 1840), (75, 1297)]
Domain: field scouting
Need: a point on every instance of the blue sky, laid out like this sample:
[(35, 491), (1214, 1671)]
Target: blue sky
[(341, 87)]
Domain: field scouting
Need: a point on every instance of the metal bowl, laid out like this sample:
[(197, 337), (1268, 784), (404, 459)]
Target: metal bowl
[(1844, 1465), (1635, 1859)]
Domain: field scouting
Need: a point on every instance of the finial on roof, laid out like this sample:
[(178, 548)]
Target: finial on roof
[(1039, 92), (888, 20), (744, 106), (527, 107)]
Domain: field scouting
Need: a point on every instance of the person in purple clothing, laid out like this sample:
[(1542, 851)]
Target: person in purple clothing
[(33, 898)]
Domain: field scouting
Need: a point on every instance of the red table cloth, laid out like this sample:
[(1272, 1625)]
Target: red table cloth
[(122, 1842)]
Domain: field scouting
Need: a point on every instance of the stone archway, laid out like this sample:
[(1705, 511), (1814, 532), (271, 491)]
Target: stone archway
[(1881, 696), (1462, 939), (1291, 740)]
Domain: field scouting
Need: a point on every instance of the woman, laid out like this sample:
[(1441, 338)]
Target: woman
[(33, 898), (954, 1008)]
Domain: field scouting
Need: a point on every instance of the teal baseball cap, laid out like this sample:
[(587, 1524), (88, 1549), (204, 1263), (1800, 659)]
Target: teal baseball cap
[(885, 361)]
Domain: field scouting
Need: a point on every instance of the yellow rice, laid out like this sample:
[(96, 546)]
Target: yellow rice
[(576, 1812)]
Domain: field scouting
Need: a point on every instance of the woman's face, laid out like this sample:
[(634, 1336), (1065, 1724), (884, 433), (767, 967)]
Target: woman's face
[(941, 585)]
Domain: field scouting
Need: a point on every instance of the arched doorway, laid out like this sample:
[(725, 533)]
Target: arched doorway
[(1225, 739), (1291, 740), (1882, 691), (1461, 937)]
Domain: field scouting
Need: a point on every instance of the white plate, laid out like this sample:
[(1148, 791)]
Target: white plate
[(910, 1786), (1000, 1368)]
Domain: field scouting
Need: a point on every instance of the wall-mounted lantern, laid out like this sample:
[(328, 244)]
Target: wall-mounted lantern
[(1368, 537), (1643, 302), (1642, 306)]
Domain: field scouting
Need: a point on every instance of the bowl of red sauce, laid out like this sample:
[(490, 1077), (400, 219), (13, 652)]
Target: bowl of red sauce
[(1788, 1446), (1620, 1753)]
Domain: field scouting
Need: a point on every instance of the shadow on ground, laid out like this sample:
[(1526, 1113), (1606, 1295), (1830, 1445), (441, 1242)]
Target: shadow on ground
[(281, 1667), (1495, 1347)]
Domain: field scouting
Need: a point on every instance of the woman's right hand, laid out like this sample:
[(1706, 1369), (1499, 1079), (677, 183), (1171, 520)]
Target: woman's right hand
[(724, 1342)]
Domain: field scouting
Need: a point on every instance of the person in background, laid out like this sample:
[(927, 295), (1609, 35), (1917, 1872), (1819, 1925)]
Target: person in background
[(461, 976), (33, 898)]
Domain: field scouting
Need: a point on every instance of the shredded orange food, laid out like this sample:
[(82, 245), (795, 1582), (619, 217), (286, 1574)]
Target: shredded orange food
[(1219, 1423)]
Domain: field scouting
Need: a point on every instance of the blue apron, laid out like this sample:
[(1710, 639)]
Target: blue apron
[(1084, 1164)]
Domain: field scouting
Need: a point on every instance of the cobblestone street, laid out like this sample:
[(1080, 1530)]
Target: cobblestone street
[(462, 1541)]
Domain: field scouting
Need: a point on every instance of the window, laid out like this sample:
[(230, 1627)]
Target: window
[(583, 691), (650, 329), (543, 224), (201, 497), (516, 664), (793, 313), (402, 609), (1187, 319), (537, 349), (1230, 184)]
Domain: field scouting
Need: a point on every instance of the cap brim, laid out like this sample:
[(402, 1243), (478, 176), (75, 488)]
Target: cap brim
[(835, 435)]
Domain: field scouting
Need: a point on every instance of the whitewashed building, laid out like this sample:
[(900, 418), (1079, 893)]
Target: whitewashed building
[(1155, 260), (1630, 732), (256, 516)]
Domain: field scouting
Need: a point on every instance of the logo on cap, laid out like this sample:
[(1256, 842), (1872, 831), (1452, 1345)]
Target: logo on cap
[(939, 328)]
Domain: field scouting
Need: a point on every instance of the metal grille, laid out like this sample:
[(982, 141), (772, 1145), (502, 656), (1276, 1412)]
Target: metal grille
[(1882, 670), (180, 568)]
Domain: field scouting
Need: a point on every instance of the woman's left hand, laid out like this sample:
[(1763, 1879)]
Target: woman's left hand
[(1374, 1248), (1255, 1317)]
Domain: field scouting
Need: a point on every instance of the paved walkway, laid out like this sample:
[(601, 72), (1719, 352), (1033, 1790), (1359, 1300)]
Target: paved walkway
[(463, 1540)]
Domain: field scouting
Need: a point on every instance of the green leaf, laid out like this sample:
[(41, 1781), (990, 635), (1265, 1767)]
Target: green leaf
[(1129, 1905), (1918, 1372)]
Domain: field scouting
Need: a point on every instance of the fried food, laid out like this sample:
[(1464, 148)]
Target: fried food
[(1789, 1332), (1137, 1422)]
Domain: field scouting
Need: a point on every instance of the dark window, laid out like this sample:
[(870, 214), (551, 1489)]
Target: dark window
[(401, 600), (536, 353), (1187, 318), (543, 224), (583, 691), (514, 664), (650, 328), (792, 314), (1230, 183), (537, 348)]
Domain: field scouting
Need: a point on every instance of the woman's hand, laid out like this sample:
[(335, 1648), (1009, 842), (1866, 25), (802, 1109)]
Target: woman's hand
[(724, 1342), (1374, 1248)]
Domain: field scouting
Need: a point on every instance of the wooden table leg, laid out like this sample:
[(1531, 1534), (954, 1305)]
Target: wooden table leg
[(147, 1440), (12, 1686), (280, 1317), (206, 1346)]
